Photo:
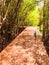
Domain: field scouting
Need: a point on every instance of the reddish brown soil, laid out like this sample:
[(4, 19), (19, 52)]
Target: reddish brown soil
[(25, 50)]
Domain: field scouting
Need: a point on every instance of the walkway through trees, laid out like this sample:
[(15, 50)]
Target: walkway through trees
[(25, 50)]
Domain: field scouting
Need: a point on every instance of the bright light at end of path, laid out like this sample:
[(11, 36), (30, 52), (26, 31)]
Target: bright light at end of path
[(41, 4)]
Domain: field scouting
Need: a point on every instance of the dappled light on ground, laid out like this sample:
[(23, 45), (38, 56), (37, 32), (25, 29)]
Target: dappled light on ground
[(25, 50)]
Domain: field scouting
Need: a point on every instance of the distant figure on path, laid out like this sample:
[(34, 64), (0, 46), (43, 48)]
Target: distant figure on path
[(37, 34)]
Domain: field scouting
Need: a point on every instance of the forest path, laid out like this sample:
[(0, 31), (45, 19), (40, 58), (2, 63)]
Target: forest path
[(25, 50)]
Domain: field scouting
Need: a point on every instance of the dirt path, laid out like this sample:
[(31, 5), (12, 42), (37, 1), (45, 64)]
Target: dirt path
[(25, 50)]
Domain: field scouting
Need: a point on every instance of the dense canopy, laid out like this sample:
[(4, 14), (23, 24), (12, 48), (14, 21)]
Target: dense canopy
[(19, 13)]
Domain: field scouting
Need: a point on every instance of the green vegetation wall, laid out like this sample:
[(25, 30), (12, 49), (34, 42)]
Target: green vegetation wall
[(16, 13), (29, 13)]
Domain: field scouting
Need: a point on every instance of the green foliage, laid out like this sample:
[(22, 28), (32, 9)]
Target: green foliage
[(18, 13), (33, 17), (26, 13)]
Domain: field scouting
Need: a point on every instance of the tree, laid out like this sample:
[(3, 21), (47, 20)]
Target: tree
[(15, 11), (9, 17)]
